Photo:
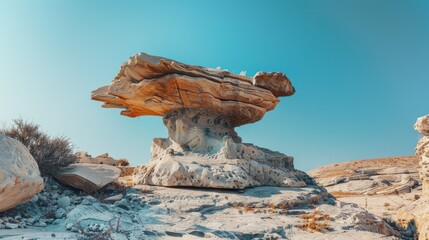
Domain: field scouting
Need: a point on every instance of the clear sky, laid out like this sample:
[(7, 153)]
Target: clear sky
[(360, 69)]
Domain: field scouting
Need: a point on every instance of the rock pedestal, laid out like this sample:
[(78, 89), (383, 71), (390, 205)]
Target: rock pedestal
[(200, 108), (199, 130)]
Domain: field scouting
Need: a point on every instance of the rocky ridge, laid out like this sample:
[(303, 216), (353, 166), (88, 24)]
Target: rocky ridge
[(382, 186)]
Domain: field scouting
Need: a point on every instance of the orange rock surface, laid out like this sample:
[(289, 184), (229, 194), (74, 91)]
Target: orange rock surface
[(150, 85)]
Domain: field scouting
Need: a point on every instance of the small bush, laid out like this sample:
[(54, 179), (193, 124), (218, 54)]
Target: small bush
[(51, 153)]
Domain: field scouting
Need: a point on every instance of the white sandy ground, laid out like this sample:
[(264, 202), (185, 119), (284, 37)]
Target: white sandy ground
[(148, 212)]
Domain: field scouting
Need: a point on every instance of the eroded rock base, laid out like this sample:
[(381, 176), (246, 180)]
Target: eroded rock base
[(233, 166)]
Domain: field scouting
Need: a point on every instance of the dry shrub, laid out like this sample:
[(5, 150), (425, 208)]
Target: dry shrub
[(51, 153), (248, 209), (316, 222)]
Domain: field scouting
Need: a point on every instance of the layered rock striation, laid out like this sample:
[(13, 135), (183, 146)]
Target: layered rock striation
[(150, 85), (200, 108), (381, 176)]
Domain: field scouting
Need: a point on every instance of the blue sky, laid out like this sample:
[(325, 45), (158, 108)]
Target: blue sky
[(360, 69)]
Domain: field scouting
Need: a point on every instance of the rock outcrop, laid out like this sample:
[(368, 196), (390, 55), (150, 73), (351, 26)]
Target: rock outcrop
[(418, 211), (19, 174), (381, 186), (422, 150), (87, 176), (200, 108), (382, 176)]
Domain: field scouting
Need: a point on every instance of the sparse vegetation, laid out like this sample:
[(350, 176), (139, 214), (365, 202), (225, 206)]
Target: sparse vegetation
[(315, 222), (51, 153)]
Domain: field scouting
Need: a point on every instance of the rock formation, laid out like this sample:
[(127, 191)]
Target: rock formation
[(87, 176), (418, 211), (381, 186), (149, 85), (382, 176), (19, 174), (422, 150), (200, 108)]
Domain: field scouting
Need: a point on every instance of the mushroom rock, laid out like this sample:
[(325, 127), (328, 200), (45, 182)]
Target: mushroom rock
[(200, 108), (19, 174)]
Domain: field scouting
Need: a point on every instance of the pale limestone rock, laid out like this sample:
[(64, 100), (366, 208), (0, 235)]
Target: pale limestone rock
[(383, 176), (87, 176), (422, 150), (233, 165), (422, 125), (418, 212), (381, 186), (114, 198), (19, 174)]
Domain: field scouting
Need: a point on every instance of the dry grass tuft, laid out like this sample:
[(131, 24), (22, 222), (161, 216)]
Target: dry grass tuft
[(315, 222)]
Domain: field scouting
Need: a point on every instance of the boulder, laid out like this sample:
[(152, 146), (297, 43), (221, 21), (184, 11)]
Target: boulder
[(200, 108), (19, 174), (88, 177)]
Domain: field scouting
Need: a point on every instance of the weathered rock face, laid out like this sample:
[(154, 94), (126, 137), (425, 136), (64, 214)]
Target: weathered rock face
[(419, 211), (149, 85), (422, 150), (19, 174), (381, 186), (199, 130), (382, 176), (200, 108), (234, 166)]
